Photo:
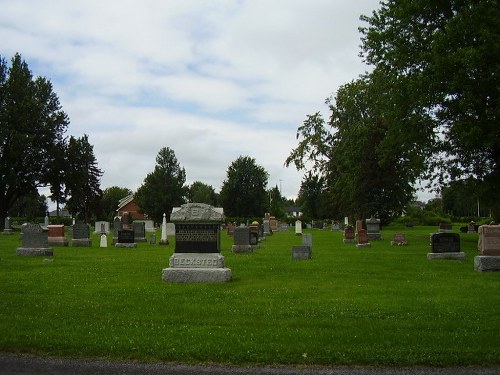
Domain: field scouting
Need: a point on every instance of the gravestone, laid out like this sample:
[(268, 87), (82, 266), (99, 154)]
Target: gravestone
[(445, 245), (273, 224), (81, 235), (7, 229), (46, 220), (444, 227), (472, 227), (335, 226), (164, 237), (230, 228), (101, 227), (373, 229), (254, 235), (489, 249), (348, 234), (56, 235), (35, 241), (152, 239), (117, 226), (363, 239), (241, 240), (298, 228), (139, 228), (399, 240), (346, 221), (267, 228), (303, 251), (197, 256), (125, 239), (104, 240), (126, 221), (359, 225)]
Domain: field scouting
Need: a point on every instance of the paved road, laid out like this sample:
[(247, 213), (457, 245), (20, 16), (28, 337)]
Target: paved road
[(29, 365)]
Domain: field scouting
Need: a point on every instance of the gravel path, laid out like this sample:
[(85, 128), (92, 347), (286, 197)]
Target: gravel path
[(29, 365)]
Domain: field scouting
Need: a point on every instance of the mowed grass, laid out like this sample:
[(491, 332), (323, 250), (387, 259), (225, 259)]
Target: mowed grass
[(384, 305)]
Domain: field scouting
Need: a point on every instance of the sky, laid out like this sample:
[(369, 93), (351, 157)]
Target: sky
[(212, 80)]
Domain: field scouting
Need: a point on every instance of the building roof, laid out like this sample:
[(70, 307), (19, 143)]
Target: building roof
[(124, 201)]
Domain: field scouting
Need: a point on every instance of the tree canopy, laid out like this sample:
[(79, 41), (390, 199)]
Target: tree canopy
[(32, 125), (243, 193), (163, 188), (428, 109)]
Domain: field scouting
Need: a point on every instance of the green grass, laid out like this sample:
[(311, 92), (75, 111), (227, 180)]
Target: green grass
[(382, 305)]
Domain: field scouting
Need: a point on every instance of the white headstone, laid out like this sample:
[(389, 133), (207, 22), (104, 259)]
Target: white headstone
[(104, 241), (298, 227), (164, 229), (346, 221)]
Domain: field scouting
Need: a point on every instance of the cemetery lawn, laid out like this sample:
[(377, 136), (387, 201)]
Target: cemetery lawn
[(384, 305)]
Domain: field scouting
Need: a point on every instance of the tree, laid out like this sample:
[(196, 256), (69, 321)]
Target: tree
[(366, 170), (448, 54), (32, 124), (82, 177), (109, 200), (30, 206), (276, 205), (198, 192), (311, 196), (243, 193), (163, 188)]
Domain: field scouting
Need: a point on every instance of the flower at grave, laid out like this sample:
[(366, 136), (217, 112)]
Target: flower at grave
[(304, 355)]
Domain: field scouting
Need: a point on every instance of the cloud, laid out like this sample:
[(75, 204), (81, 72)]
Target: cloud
[(212, 80)]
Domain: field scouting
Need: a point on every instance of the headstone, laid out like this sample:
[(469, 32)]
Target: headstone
[(301, 252), (445, 245), (373, 229), (104, 240), (307, 240), (164, 237), (267, 228), (152, 239), (335, 226), (359, 225), (117, 226), (363, 239), (81, 235), (273, 224), (444, 227), (489, 249), (298, 228), (346, 221), (126, 239), (348, 234), (230, 228), (399, 240), (101, 227), (46, 220), (170, 229), (7, 229), (56, 235), (139, 228), (197, 255), (241, 240), (35, 241), (254, 235), (472, 227)]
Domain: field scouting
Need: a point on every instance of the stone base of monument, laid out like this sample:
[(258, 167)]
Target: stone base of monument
[(484, 263), (164, 242), (241, 248), (7, 231), (81, 242), (301, 252), (126, 244), (460, 255), (364, 244), (58, 241), (34, 252), (196, 268)]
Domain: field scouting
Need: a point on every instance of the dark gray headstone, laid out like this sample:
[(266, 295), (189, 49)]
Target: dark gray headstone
[(301, 252), (35, 241), (81, 231), (445, 242), (139, 231), (241, 236), (126, 236)]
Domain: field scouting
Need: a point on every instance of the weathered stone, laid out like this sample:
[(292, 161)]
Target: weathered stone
[(35, 241), (485, 263), (301, 252)]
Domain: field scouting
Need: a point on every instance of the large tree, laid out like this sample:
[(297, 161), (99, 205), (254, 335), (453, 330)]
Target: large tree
[(200, 192), (447, 54), (163, 188), (243, 193), (32, 124), (82, 178)]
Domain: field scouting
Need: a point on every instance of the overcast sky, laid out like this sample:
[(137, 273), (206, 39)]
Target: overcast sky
[(212, 80)]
